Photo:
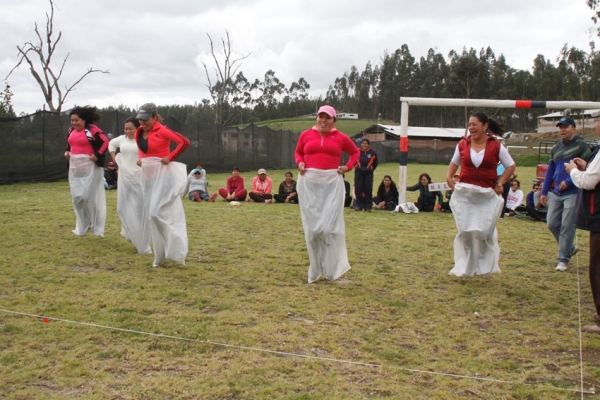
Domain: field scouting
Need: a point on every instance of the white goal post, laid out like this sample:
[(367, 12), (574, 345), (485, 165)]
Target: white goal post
[(485, 103)]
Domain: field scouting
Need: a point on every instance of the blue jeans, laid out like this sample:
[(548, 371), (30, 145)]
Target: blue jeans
[(561, 222)]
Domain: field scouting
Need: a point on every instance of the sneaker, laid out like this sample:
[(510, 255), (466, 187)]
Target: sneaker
[(268, 201), (212, 198), (574, 251), (413, 209), (561, 266)]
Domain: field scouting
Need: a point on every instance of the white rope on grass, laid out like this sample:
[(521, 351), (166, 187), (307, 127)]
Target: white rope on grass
[(283, 353)]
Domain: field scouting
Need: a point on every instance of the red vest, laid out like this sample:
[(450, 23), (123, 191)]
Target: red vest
[(485, 175)]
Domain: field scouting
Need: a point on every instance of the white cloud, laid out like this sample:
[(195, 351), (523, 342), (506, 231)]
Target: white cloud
[(153, 49)]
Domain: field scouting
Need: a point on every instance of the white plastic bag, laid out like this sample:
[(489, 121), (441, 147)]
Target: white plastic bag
[(162, 188), (321, 198), (130, 205), (476, 211), (86, 181)]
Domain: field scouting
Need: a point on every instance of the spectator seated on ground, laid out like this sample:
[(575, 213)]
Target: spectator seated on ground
[(348, 199), (261, 188), (235, 187), (198, 187), (110, 176), (387, 194), (426, 200), (533, 207), (514, 198), (287, 190), (446, 204)]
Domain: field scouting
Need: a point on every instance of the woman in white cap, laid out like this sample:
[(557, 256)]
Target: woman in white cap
[(262, 186), (130, 201), (321, 194), (163, 184)]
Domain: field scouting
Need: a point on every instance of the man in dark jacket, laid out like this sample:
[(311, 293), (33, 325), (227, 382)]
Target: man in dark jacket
[(363, 176), (558, 192), (586, 176), (110, 176)]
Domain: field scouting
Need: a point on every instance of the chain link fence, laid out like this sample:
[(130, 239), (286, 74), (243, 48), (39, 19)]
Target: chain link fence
[(32, 147)]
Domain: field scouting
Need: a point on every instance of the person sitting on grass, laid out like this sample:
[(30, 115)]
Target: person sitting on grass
[(426, 200), (387, 194), (287, 190), (514, 198), (261, 188), (235, 187), (110, 176), (198, 187), (533, 207)]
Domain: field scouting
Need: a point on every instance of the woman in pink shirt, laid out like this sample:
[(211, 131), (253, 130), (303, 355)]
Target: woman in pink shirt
[(261, 188), (86, 152), (321, 194)]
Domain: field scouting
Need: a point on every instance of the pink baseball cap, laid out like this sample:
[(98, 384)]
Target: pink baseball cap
[(328, 110)]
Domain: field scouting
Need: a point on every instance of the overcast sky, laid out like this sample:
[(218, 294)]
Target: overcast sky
[(153, 49)]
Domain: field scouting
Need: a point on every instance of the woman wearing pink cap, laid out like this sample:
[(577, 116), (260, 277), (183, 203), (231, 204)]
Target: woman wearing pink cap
[(321, 194)]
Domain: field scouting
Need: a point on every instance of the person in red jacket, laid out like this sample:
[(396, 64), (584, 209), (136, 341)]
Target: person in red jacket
[(321, 194), (163, 184), (476, 250), (235, 187)]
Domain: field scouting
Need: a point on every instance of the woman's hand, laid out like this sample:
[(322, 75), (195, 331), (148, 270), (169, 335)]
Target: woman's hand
[(93, 158), (499, 190), (139, 162), (302, 168), (165, 160), (342, 170), (68, 155)]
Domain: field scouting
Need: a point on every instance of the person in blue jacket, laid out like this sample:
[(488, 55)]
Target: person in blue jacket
[(363, 176), (559, 193)]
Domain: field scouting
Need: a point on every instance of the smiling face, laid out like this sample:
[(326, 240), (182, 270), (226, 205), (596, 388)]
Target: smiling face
[(364, 146), (77, 123), (424, 181), (147, 124), (325, 123), (477, 129), (387, 182), (288, 178), (129, 129)]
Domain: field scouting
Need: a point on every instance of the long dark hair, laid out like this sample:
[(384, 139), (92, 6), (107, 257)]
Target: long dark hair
[(89, 114), (493, 125), (393, 187), (133, 120)]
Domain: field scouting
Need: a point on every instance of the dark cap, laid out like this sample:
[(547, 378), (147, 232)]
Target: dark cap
[(566, 121), (146, 111)]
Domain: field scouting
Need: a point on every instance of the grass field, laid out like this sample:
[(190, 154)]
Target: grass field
[(395, 326)]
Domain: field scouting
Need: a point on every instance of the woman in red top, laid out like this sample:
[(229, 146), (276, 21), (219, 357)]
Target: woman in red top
[(321, 193), (477, 199), (86, 152), (163, 184)]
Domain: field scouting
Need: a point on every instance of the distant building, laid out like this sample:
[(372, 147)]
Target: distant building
[(340, 115), (547, 123), (424, 144)]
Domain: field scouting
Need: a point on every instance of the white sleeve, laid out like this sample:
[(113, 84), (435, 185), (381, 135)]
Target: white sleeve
[(589, 178), (456, 157), (505, 158), (115, 143), (519, 197)]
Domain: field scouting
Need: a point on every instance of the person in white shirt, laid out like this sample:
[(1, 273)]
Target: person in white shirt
[(514, 198)]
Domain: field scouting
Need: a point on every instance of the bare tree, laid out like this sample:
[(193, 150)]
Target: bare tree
[(47, 78), (224, 73)]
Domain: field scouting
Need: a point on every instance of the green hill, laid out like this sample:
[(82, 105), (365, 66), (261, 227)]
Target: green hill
[(349, 126)]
